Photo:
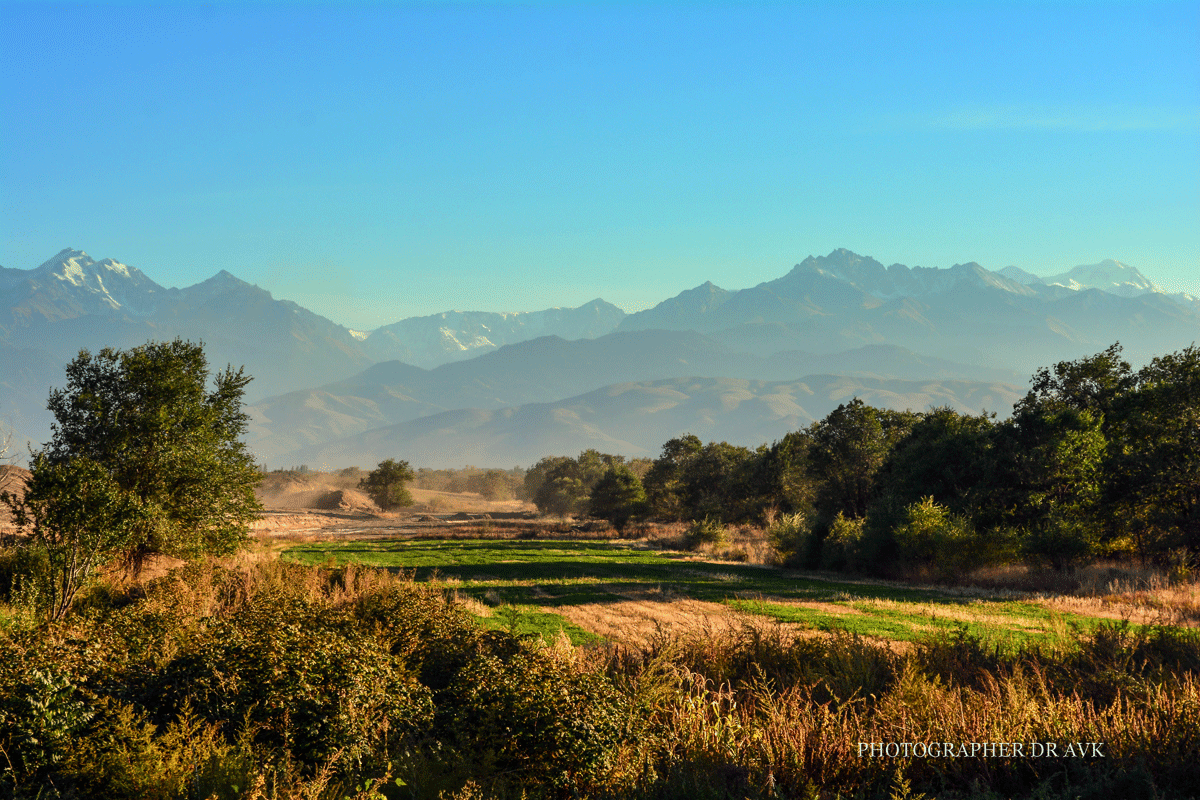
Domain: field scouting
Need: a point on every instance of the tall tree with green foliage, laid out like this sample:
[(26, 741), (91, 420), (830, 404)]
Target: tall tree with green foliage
[(144, 459), (169, 443), (1094, 384), (947, 457), (664, 481), (1153, 481), (385, 484), (848, 448), (536, 475), (785, 480), (562, 485), (717, 483)]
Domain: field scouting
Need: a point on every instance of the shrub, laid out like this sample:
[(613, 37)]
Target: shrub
[(310, 682), (842, 548), (127, 756), (533, 718), (933, 537), (23, 570), (41, 714), (1059, 541), (790, 536), (705, 531)]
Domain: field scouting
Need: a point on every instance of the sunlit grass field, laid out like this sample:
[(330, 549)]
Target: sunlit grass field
[(542, 587)]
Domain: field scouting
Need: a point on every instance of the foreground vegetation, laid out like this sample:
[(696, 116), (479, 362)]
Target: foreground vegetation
[(257, 679)]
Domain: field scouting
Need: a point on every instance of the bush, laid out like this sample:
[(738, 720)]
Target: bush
[(309, 681), (23, 569), (842, 548), (705, 531), (1059, 541), (790, 537), (933, 537), (532, 717), (128, 756)]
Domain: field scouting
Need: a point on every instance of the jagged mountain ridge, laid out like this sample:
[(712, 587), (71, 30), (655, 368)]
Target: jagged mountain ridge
[(72, 301), (839, 313), (1007, 319), (436, 339)]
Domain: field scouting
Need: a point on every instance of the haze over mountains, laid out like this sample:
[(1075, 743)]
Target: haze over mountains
[(503, 389)]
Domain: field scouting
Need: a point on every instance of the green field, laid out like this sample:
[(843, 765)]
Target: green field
[(527, 583)]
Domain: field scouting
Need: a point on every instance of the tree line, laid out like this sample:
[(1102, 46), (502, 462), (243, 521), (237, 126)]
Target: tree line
[(1097, 459)]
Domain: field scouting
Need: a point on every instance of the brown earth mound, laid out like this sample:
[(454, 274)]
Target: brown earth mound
[(345, 500)]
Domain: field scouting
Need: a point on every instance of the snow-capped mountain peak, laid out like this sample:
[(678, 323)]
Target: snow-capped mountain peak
[(98, 286), (1110, 276)]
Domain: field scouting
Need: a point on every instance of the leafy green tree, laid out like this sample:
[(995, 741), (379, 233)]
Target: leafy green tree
[(618, 497), (495, 485), (385, 484), (664, 480), (786, 481), (946, 456), (717, 483), (848, 449), (1090, 384), (561, 485), (1050, 466), (169, 446), (1153, 481), (563, 492), (593, 464), (537, 474), (76, 515)]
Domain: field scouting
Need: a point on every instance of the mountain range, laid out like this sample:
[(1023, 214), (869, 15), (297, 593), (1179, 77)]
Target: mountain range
[(502, 388)]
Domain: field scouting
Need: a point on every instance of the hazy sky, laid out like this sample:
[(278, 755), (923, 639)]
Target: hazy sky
[(379, 161)]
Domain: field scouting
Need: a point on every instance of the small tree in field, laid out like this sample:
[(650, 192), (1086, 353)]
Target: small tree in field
[(79, 518), (385, 484)]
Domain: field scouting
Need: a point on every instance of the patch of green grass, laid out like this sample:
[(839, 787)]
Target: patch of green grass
[(1008, 624), (862, 625), (524, 620), (546, 563)]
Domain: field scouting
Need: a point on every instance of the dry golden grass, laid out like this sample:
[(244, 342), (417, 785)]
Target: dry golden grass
[(636, 622), (1166, 604)]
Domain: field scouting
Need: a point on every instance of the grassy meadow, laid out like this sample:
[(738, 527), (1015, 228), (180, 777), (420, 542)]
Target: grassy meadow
[(543, 586)]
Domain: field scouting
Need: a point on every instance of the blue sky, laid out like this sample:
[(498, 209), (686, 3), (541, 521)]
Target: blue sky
[(379, 161)]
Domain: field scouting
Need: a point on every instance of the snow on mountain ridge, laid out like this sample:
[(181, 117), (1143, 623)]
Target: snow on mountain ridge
[(81, 276), (899, 281), (1109, 275)]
